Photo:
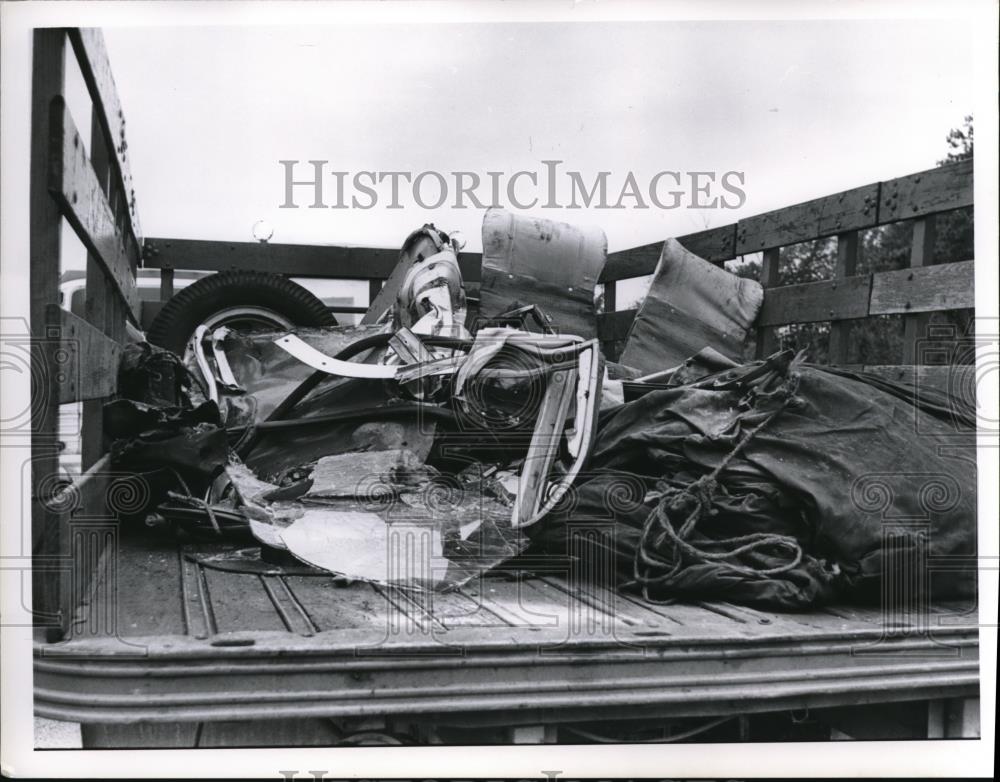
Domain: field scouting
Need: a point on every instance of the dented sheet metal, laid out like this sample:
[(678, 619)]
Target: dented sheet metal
[(360, 545), (367, 474), (545, 263)]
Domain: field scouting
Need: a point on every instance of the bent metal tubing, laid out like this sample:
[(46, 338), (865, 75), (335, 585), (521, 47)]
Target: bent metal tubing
[(543, 448), (202, 361), (545, 347), (536, 496)]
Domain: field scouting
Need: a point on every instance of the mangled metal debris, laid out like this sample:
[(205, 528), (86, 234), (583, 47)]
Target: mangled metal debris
[(412, 451), (422, 448)]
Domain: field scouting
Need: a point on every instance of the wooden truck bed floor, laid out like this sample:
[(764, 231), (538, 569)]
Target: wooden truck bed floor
[(193, 641)]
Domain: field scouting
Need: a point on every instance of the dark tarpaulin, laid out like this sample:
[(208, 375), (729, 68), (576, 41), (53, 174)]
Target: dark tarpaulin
[(851, 469)]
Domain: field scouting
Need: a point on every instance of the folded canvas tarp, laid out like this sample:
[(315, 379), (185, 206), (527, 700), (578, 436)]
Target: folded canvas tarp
[(782, 484)]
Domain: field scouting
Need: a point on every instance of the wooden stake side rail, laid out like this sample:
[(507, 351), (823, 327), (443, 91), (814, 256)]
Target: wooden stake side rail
[(88, 43), (916, 195), (841, 215), (75, 359)]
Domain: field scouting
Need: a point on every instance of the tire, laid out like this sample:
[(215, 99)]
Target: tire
[(236, 298)]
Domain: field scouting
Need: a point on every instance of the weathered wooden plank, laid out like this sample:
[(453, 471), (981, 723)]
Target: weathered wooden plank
[(61, 497), (75, 185), (767, 340), (166, 285), (610, 296), (846, 211), (90, 366), (294, 260), (922, 243), (816, 301), (956, 378), (939, 189), (715, 244), (847, 261), (240, 602), (88, 44), (149, 586), (103, 308), (946, 286), (47, 524), (513, 602), (935, 190), (332, 605), (634, 262), (374, 287)]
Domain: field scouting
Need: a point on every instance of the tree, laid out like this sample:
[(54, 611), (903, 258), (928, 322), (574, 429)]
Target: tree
[(877, 340)]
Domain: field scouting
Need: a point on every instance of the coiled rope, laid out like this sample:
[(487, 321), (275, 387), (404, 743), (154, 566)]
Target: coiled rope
[(663, 549)]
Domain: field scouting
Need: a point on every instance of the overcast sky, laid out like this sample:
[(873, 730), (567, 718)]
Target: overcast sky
[(804, 108)]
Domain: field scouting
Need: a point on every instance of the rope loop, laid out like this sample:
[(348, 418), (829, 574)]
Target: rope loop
[(665, 549)]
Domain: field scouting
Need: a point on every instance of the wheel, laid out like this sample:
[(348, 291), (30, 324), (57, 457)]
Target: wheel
[(239, 300)]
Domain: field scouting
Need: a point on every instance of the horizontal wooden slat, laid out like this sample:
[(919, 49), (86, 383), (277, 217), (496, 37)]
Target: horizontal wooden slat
[(715, 244), (614, 326), (946, 286), (88, 44), (809, 302), (846, 211), (958, 379), (89, 368), (293, 260), (75, 186), (936, 190), (635, 262)]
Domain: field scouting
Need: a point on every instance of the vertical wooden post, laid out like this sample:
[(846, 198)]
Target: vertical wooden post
[(767, 340), (166, 285), (49, 540), (847, 261), (374, 286), (921, 254), (100, 309), (610, 297), (95, 530)]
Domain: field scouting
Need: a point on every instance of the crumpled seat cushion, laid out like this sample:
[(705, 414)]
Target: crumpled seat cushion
[(691, 304)]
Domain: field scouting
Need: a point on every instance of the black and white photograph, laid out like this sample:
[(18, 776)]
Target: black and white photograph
[(543, 390)]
